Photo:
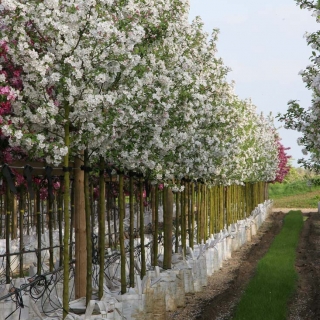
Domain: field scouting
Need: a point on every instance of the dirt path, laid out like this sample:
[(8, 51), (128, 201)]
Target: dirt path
[(225, 287)]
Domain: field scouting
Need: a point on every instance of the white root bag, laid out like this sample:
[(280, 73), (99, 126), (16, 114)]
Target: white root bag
[(203, 271), (209, 258)]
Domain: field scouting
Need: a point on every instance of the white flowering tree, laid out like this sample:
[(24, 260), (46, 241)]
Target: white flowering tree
[(130, 82), (75, 55), (303, 120)]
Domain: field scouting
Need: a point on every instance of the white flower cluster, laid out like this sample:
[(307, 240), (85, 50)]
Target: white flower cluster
[(143, 87)]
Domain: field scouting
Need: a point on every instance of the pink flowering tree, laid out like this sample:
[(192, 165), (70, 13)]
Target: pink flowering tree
[(284, 165)]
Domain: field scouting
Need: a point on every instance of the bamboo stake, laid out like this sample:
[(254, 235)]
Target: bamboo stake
[(109, 199), (92, 206), (131, 206), (188, 211), (204, 213), (29, 213), (221, 207), (183, 223), (153, 210), (66, 203), (38, 215), (61, 242), (50, 213), (88, 225), (212, 218), (192, 216), (177, 222), (216, 208), (14, 222), (198, 213), (115, 222), (72, 218), (2, 214), (143, 253), (156, 225), (102, 227), (121, 235), (21, 216), (8, 218)]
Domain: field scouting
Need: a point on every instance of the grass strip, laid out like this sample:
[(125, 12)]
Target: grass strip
[(280, 190), (307, 200), (268, 292)]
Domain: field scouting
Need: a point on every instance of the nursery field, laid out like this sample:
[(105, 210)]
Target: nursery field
[(226, 287), (296, 194)]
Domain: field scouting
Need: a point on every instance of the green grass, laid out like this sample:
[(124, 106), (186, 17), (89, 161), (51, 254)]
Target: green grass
[(294, 195), (280, 190), (268, 292)]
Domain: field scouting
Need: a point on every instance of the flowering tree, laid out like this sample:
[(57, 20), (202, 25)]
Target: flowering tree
[(284, 165), (303, 120), (72, 56), (131, 83)]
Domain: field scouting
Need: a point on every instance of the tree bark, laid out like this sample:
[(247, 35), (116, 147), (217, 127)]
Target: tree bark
[(80, 231), (168, 219)]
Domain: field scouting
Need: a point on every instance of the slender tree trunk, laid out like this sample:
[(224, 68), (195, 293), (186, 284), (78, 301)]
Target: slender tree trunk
[(177, 221), (1, 214), (22, 204), (153, 210), (202, 216), (192, 216), (72, 220), (143, 253), (14, 216), (88, 226), (188, 211), (50, 234), (131, 206), (66, 201), (8, 218), (156, 225), (60, 218), (109, 206), (168, 220), (221, 207), (198, 213), (204, 213), (183, 222), (80, 231), (102, 226), (121, 235), (38, 215)]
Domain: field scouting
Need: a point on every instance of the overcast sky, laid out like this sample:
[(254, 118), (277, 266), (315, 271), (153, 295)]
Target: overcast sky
[(262, 42)]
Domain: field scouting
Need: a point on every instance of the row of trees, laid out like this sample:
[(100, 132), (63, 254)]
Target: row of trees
[(129, 81), (127, 85)]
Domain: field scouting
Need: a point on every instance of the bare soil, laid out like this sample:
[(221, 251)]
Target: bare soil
[(218, 300)]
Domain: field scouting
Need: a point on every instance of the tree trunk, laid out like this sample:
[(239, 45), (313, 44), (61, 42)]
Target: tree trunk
[(156, 222), (88, 226), (66, 202), (102, 226), (80, 231), (121, 235), (131, 204), (143, 253), (168, 219)]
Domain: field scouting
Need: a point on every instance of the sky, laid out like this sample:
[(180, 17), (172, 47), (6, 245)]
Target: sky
[(262, 42)]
